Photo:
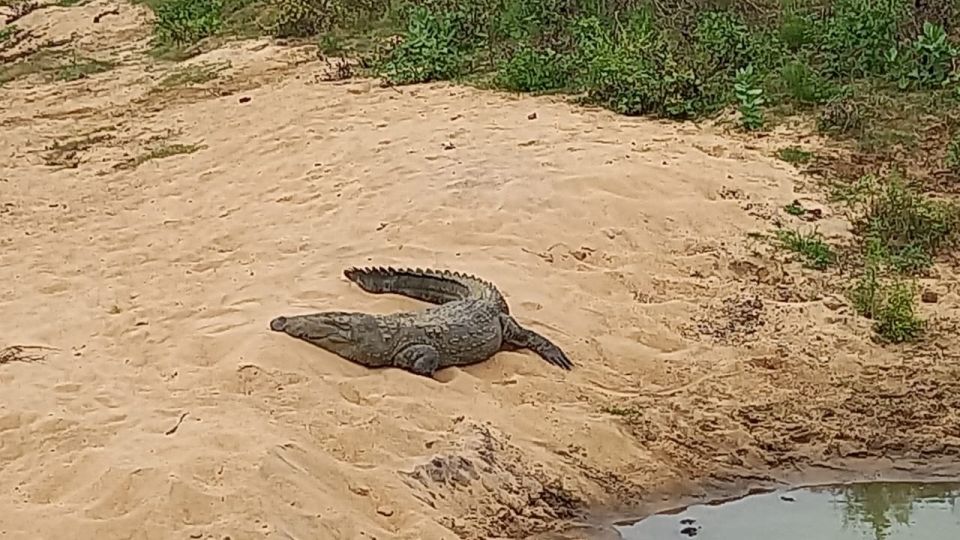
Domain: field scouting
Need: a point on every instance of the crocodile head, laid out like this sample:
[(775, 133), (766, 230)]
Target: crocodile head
[(350, 335)]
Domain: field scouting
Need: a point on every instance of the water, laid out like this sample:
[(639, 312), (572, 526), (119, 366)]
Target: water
[(860, 511)]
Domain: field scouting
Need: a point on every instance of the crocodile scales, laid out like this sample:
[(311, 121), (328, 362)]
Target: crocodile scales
[(469, 322)]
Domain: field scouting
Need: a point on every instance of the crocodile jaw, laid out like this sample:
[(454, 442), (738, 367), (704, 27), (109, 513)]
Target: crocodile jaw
[(354, 336)]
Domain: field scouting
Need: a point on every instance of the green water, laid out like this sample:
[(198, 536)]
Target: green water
[(860, 511)]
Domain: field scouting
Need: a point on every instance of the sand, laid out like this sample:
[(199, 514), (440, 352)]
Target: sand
[(165, 408)]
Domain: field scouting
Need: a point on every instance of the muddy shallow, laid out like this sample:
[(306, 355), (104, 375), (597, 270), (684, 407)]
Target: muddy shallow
[(884, 487), (855, 511)]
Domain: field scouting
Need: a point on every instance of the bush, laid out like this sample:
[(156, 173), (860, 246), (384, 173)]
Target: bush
[(750, 98), (952, 161), (185, 22), (927, 62), (890, 303), (303, 18), (803, 84), (858, 36), (432, 48), (635, 71), (724, 40), (907, 228), (533, 70), (683, 60)]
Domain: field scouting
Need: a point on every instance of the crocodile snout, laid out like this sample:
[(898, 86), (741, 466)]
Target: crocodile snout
[(278, 324)]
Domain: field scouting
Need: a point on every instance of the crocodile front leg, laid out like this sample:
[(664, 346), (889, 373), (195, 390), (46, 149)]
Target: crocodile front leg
[(516, 337), (418, 359)]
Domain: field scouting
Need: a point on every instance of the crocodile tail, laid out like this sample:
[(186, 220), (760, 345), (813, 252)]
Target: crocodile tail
[(433, 286)]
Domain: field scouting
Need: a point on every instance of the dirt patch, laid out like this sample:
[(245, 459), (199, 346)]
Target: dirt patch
[(494, 487)]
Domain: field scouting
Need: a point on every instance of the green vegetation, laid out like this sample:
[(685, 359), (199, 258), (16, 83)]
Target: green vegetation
[(898, 225), (185, 22), (901, 232), (890, 302), (815, 252), (7, 33), (850, 63), (792, 154), (952, 160)]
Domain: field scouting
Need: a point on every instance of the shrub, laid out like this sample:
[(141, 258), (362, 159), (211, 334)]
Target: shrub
[(636, 71), (185, 22), (927, 62), (857, 37), (890, 303), (952, 161), (750, 98), (906, 228), (815, 252), (723, 40), (533, 70), (431, 48), (303, 18), (805, 85)]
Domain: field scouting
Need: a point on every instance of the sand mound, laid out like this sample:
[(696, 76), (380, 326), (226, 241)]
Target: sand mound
[(153, 226)]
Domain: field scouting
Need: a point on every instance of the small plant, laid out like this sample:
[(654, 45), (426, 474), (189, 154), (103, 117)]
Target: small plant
[(896, 318), (928, 61), (8, 32), (796, 30), (866, 292), (431, 49), (907, 228), (890, 303), (628, 413), (792, 154), (532, 70), (952, 160), (185, 22), (303, 18), (795, 209), (804, 85), (815, 252), (750, 98)]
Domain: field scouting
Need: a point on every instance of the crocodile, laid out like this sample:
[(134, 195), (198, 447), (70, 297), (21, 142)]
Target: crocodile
[(467, 322)]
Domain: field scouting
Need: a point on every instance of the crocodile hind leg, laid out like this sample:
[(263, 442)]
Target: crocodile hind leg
[(516, 337), (419, 359)]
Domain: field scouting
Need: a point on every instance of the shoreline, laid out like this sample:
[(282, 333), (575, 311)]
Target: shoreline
[(601, 523)]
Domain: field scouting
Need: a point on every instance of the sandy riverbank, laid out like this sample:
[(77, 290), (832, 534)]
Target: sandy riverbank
[(701, 360)]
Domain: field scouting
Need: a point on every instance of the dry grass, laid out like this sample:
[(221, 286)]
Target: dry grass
[(22, 353)]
